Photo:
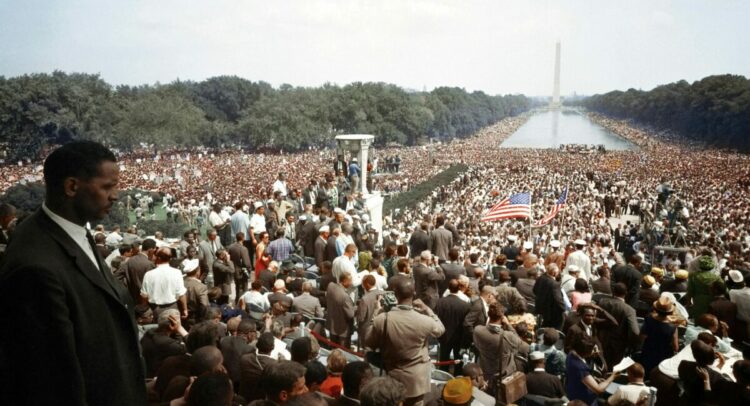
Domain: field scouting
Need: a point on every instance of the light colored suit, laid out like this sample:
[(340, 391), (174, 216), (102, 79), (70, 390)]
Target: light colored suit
[(426, 280), (207, 254), (442, 242), (340, 317), (365, 313), (497, 350), (307, 305), (404, 346)]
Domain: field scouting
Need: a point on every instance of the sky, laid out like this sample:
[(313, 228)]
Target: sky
[(496, 46)]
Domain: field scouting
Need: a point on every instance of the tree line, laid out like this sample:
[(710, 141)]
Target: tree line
[(714, 110), (38, 110)]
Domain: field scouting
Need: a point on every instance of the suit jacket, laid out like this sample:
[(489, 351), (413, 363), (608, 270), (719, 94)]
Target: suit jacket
[(307, 305), (340, 317), (365, 313), (320, 251), (618, 339), (267, 278), (602, 285), (131, 274), (206, 255), (693, 383), (497, 350), (156, 347), (630, 276), (442, 242), (419, 241), (452, 271), (233, 348), (251, 372), (452, 312), (405, 346), (197, 297), (541, 383), (77, 337), (240, 257), (426, 283), (280, 297), (549, 301), (330, 252), (477, 316), (509, 297), (307, 234), (526, 288), (224, 276)]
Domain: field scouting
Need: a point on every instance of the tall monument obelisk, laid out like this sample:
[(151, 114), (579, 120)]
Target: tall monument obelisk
[(555, 104)]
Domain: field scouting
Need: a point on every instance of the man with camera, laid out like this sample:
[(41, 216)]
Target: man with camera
[(402, 335)]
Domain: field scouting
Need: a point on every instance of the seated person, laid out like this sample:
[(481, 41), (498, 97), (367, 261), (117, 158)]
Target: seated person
[(554, 359), (541, 383), (735, 393), (698, 378), (333, 385), (474, 372), (635, 391), (580, 384), (709, 323)]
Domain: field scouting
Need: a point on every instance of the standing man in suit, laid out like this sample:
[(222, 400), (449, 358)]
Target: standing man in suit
[(321, 242), (307, 304), (442, 239), (367, 307), (426, 278), (404, 344), (340, 317), (132, 271), (240, 257), (420, 240), (541, 383), (84, 349), (452, 269), (617, 339), (478, 313), (452, 311), (207, 250), (549, 299)]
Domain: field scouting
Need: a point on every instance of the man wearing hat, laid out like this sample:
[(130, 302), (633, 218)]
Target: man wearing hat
[(678, 284), (647, 294), (699, 285), (511, 252), (580, 259), (196, 291), (354, 173), (257, 221), (554, 255), (541, 383), (741, 297), (458, 391), (320, 246)]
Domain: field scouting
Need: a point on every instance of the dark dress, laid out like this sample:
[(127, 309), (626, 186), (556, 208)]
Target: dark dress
[(576, 370), (658, 344)]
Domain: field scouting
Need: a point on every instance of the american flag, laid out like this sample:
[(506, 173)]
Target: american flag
[(553, 212), (515, 206)]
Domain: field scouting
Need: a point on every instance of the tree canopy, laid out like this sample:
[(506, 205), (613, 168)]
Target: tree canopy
[(37, 110), (715, 109)]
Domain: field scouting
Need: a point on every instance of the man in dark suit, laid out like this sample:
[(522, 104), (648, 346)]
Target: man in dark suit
[(132, 271), (307, 234), (549, 300), (541, 383), (603, 284), (678, 284), (525, 286), (240, 257), (426, 278), (252, 368), (617, 339), (420, 240), (452, 269), (631, 277), (234, 346), (321, 242), (452, 311), (84, 347)]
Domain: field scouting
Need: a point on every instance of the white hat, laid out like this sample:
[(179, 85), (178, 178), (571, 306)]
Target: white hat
[(528, 245), (395, 232), (580, 242), (573, 268), (257, 205), (279, 284), (354, 159), (536, 356), (339, 210), (365, 217), (324, 229), (736, 276), (303, 217), (270, 201), (512, 238), (189, 265), (554, 244)]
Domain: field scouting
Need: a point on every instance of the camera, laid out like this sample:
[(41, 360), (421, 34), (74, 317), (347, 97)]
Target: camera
[(388, 300)]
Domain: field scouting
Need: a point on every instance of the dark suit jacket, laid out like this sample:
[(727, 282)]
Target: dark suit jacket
[(308, 234), (541, 383), (452, 312), (240, 257), (267, 278), (251, 371), (602, 285), (630, 276), (673, 285), (131, 274), (233, 348), (320, 251), (156, 347), (452, 271), (693, 383), (549, 301), (419, 241), (526, 288), (617, 340), (477, 316), (426, 284), (77, 337), (330, 252)]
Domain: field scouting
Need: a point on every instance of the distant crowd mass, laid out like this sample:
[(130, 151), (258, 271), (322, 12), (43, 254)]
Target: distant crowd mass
[(282, 291)]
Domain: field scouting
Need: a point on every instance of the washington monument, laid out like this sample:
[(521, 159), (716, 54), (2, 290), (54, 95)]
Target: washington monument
[(555, 104)]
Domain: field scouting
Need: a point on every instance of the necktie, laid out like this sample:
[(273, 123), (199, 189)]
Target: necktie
[(92, 243)]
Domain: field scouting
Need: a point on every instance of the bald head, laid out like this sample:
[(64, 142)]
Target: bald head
[(206, 359), (163, 255)]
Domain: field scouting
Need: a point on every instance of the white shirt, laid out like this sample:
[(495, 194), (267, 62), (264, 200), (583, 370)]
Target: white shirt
[(741, 297), (74, 231), (344, 264), (114, 238), (214, 219), (258, 301), (580, 259), (258, 223), (163, 285), (279, 186), (630, 392), (279, 349)]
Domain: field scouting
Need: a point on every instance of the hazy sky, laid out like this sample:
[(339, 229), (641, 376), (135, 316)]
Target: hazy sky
[(496, 46)]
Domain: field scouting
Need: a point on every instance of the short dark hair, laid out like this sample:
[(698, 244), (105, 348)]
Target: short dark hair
[(301, 349), (265, 343), (352, 376), (495, 311), (619, 289), (202, 334), (316, 372), (148, 244), (79, 159), (281, 376), (205, 359), (581, 285), (246, 326), (584, 347), (703, 353), (382, 391), (211, 389), (551, 336)]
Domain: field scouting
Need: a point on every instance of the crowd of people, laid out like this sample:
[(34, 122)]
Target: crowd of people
[(636, 291)]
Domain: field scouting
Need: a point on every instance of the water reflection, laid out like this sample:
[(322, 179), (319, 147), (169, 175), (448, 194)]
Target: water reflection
[(549, 129)]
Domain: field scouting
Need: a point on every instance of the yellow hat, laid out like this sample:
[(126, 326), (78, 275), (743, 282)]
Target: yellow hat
[(681, 274), (657, 271), (457, 391), (649, 280)]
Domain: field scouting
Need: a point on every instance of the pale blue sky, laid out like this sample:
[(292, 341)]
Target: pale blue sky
[(496, 46)]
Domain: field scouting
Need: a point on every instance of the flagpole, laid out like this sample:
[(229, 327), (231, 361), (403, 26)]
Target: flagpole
[(531, 215)]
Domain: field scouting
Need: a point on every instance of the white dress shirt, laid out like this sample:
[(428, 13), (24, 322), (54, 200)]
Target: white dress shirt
[(76, 232), (163, 285)]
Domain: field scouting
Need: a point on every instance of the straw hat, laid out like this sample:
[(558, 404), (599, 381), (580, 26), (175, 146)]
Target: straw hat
[(457, 391), (664, 305)]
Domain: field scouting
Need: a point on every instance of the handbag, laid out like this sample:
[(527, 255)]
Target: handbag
[(376, 357)]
